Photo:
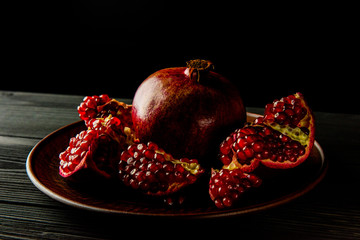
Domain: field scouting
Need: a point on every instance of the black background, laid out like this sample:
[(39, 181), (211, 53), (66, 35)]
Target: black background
[(109, 46)]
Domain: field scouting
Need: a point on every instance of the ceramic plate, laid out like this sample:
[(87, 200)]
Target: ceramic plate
[(279, 186)]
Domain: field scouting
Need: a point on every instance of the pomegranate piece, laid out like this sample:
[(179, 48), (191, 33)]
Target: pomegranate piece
[(88, 108), (97, 148), (227, 185), (115, 128), (283, 138), (253, 144), (293, 118), (153, 171), (90, 149), (242, 147), (292, 111), (117, 109), (102, 107)]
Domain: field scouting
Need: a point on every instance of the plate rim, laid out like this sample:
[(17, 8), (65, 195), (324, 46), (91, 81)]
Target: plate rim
[(229, 212)]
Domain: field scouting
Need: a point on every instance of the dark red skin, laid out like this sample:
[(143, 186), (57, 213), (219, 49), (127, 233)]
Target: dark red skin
[(186, 117)]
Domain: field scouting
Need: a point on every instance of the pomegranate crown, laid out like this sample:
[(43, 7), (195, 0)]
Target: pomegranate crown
[(198, 65)]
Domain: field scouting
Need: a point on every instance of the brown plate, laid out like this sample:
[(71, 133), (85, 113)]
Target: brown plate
[(279, 186)]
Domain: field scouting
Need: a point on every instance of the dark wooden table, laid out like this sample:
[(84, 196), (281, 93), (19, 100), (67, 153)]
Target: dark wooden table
[(330, 211)]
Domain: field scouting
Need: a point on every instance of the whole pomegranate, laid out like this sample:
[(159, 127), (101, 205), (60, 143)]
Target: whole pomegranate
[(187, 110)]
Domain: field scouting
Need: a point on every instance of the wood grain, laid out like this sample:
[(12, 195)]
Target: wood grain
[(330, 211)]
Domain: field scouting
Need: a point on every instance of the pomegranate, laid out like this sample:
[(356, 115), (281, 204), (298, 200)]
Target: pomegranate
[(88, 108), (252, 144), (90, 150), (153, 171), (102, 106), (282, 138), (293, 118), (115, 128), (97, 149), (187, 110), (291, 111), (227, 185)]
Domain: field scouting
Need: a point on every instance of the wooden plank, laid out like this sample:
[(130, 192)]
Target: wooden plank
[(13, 151), (34, 115), (42, 223), (16, 188)]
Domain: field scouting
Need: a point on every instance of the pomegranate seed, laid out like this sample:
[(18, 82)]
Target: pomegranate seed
[(280, 116), (225, 148), (251, 138), (258, 146), (284, 138), (289, 112), (140, 147), (159, 157), (241, 143), (152, 146), (225, 159), (297, 110), (150, 154), (227, 201), (249, 152), (241, 156), (179, 168)]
